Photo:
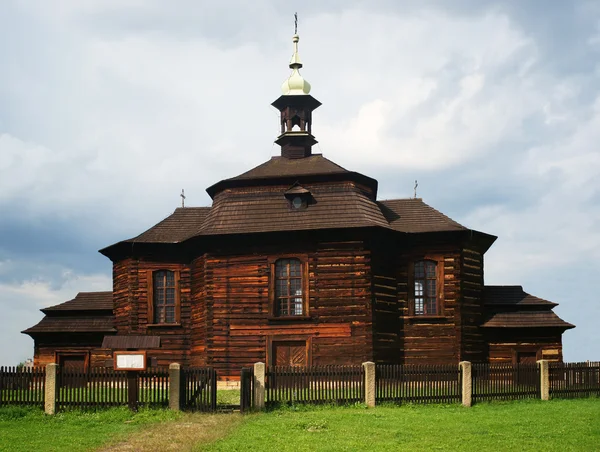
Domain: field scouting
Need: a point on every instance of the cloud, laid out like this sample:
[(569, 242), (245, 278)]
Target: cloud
[(20, 302), (108, 109)]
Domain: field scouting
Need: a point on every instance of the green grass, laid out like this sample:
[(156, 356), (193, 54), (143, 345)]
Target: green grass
[(524, 425), (27, 429), (558, 425), (228, 397)]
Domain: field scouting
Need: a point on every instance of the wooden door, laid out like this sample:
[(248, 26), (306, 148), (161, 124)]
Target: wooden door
[(72, 370), (290, 353), (71, 361), (528, 357)]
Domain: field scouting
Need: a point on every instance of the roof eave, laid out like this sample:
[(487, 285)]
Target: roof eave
[(565, 327)]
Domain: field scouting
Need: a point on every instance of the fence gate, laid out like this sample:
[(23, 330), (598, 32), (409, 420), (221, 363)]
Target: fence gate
[(199, 389), (246, 389)]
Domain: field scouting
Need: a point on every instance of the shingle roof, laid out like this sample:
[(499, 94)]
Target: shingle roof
[(85, 301), (124, 342), (176, 227), (526, 319), (282, 167), (71, 324), (512, 295), (265, 209), (413, 215)]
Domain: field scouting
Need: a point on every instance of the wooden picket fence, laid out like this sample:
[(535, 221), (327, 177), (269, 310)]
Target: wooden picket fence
[(505, 381), (98, 387), (418, 383), (22, 385), (316, 384), (571, 380)]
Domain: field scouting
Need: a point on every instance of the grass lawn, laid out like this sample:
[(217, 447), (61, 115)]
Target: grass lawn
[(28, 429), (559, 425), (525, 425)]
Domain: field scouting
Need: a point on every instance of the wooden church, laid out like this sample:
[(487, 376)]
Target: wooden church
[(298, 263)]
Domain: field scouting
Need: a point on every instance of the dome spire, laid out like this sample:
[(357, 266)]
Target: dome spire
[(296, 106), (295, 84)]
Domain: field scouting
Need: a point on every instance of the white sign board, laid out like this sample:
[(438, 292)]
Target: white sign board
[(130, 361)]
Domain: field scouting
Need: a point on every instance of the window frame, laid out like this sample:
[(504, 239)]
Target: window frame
[(273, 312), (151, 321), (439, 273)]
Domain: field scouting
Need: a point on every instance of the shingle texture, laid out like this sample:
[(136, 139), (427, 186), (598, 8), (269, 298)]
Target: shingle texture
[(512, 307), (283, 167), (526, 319), (85, 301), (413, 216), (176, 227), (124, 342), (88, 312), (512, 295), (266, 209), (78, 324)]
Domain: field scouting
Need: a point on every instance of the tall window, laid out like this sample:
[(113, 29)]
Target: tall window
[(164, 296), (426, 290), (288, 287)]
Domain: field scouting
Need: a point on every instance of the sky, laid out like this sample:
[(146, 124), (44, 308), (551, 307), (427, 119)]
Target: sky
[(108, 108)]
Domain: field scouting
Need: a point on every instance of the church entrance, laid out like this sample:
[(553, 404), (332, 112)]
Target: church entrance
[(290, 353)]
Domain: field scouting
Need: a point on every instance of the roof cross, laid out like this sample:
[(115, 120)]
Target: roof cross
[(416, 185), (182, 198)]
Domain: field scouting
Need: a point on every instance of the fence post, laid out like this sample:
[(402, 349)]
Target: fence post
[(467, 382), (50, 388), (175, 386), (544, 379), (369, 383), (259, 386)]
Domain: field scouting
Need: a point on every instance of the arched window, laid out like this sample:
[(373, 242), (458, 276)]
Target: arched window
[(425, 288), (288, 287), (164, 293)]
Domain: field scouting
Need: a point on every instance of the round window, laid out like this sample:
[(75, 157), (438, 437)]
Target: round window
[(297, 202)]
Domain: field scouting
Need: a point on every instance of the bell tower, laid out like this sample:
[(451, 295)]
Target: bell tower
[(296, 106)]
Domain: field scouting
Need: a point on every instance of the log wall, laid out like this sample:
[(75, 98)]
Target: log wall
[(504, 344), (431, 340), (237, 328), (131, 280), (46, 349), (469, 315)]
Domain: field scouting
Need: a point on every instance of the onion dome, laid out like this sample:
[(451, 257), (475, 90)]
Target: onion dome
[(295, 84)]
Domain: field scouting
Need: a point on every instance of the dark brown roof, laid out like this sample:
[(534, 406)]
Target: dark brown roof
[(176, 227), (526, 319), (282, 167), (70, 324), (85, 301), (512, 295), (413, 215), (265, 209), (123, 342)]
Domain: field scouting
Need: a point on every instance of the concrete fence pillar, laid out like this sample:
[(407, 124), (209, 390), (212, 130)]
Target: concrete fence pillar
[(259, 386), (51, 388), (175, 386), (544, 379), (369, 368), (466, 382)]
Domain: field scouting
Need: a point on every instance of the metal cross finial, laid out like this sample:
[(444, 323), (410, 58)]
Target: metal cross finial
[(182, 198), (295, 23), (416, 185)]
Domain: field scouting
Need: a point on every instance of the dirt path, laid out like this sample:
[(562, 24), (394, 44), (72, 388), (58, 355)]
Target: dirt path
[(182, 435)]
